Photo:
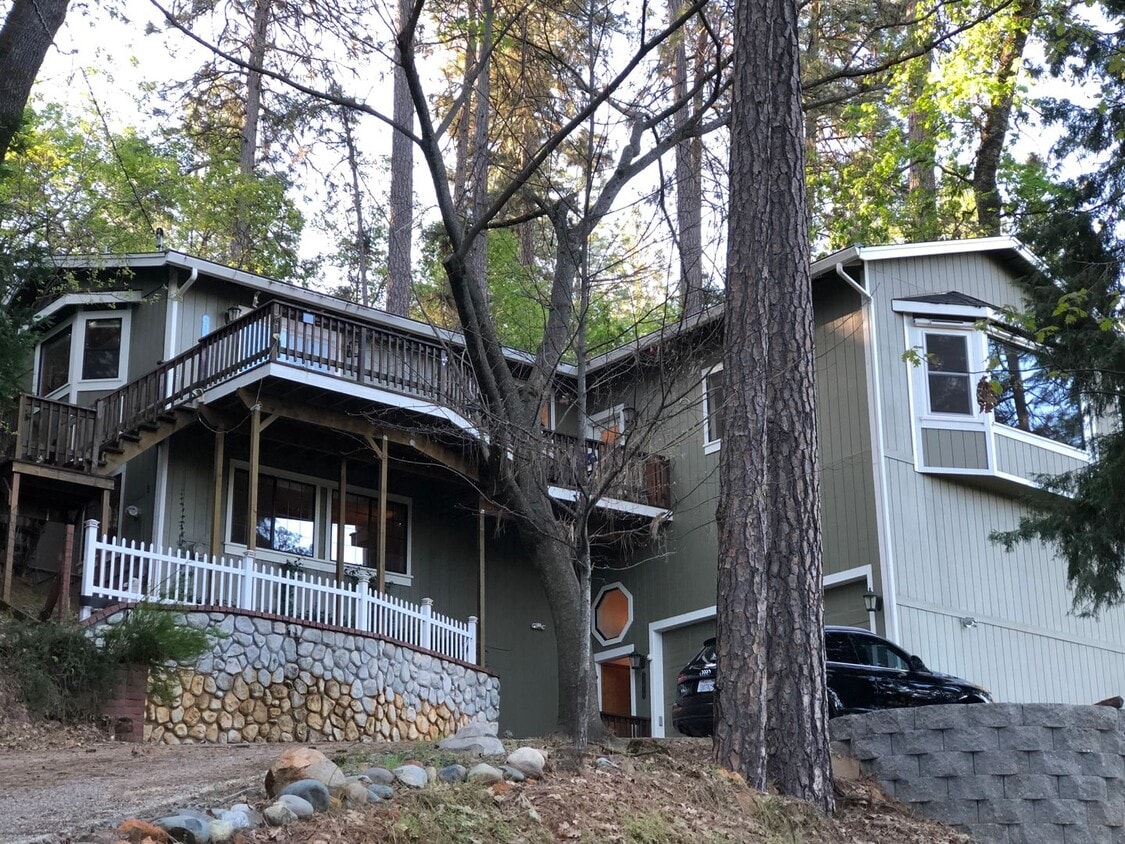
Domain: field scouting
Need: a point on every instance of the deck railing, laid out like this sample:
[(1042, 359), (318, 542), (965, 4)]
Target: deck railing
[(53, 432), (60, 434), (312, 341), (630, 476), (119, 571)]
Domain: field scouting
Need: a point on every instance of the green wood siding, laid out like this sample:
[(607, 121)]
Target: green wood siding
[(1016, 457), (951, 449)]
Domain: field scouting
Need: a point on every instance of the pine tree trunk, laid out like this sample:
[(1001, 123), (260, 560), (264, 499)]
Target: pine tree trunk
[(401, 204), (28, 32), (248, 140), (689, 178), (770, 721), (998, 115)]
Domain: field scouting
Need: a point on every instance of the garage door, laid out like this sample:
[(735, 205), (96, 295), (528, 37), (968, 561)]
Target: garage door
[(843, 604), (680, 645)]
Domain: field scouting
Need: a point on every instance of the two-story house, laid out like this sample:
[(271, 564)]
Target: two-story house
[(916, 473), (163, 384)]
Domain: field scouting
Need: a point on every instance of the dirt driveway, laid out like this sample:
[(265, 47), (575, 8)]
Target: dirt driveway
[(53, 795)]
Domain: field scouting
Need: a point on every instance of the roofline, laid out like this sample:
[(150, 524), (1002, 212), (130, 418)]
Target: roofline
[(182, 260), (858, 252), (654, 338)]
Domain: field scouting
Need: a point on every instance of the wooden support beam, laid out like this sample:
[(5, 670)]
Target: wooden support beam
[(10, 551), (359, 425), (480, 583), (255, 465), (105, 530), (341, 510), (382, 569), (217, 493), (65, 571)]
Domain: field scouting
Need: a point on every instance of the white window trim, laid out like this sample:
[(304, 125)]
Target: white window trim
[(616, 413), (923, 418), (321, 559), (709, 446), (610, 587), (78, 348)]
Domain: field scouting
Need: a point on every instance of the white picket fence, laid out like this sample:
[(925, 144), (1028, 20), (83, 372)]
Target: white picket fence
[(132, 571)]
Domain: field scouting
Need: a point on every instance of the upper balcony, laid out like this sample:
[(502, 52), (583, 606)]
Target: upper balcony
[(327, 353)]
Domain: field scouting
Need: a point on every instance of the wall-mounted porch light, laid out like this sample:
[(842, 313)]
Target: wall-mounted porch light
[(872, 601)]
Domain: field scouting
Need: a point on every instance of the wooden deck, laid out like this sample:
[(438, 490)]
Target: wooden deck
[(56, 434)]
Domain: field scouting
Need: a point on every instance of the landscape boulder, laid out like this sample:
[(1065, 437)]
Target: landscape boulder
[(313, 791), (528, 761), (302, 763), (475, 737)]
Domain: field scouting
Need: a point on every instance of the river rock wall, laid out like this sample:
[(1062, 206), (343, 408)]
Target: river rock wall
[(267, 679)]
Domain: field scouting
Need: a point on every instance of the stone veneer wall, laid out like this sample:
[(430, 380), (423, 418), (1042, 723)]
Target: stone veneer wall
[(1005, 773), (269, 679)]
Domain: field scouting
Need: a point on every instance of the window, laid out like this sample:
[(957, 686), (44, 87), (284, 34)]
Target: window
[(612, 613), (881, 654), (101, 351), (54, 362), (1031, 397), (607, 426), (286, 513), (361, 532), (948, 375), (838, 648), (714, 396)]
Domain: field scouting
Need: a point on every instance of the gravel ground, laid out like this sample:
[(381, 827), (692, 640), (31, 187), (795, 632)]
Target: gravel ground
[(50, 795)]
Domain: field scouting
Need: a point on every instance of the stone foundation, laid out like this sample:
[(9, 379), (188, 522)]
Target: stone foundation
[(272, 680)]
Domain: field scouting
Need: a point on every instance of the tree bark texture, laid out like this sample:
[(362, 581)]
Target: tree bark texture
[(401, 204), (248, 138), (28, 32), (479, 149), (771, 719), (998, 115), (689, 177)]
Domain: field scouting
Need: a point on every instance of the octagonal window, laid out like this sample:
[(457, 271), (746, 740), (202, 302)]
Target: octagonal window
[(613, 613)]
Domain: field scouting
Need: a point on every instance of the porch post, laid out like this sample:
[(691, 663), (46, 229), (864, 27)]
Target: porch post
[(105, 509), (478, 651), (381, 584), (10, 551), (217, 503), (65, 571), (252, 493), (89, 559), (340, 511)]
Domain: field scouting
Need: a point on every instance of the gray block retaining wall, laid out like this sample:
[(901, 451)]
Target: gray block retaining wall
[(1007, 772), (271, 679)]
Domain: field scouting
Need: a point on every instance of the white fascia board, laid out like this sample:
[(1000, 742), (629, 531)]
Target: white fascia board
[(934, 309), (829, 262), (1003, 243), (103, 298), (647, 510)]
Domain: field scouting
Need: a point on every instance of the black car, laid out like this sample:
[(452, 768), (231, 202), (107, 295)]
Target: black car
[(865, 672)]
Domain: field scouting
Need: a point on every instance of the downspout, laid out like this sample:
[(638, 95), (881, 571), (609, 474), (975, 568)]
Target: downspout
[(878, 459)]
